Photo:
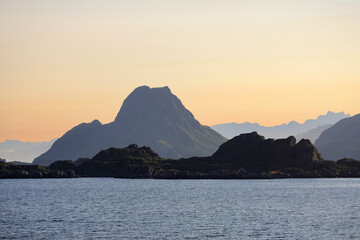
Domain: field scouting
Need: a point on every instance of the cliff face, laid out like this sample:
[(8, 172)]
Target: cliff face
[(151, 117)]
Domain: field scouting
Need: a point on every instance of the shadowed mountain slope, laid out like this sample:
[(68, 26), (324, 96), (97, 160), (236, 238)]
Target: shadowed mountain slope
[(151, 117), (342, 140)]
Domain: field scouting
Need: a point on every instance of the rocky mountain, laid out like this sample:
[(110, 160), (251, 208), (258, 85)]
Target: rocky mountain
[(230, 130), (313, 134), (341, 140), (15, 150), (151, 117)]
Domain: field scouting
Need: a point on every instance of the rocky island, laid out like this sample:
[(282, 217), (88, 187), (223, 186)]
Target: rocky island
[(247, 156)]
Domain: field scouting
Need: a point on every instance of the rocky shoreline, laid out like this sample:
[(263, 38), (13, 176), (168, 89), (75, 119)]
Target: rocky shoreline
[(32, 171)]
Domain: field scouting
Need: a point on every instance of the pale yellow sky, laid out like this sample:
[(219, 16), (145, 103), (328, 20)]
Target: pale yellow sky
[(67, 62)]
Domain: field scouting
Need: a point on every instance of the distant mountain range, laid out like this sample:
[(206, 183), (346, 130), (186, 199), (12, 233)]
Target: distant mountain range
[(341, 140), (15, 150), (151, 117), (309, 129)]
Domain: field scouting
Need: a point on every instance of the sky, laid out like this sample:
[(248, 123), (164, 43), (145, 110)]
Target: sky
[(64, 62)]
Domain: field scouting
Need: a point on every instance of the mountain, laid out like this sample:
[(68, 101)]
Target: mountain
[(341, 140), (151, 117), (313, 134), (15, 150), (230, 130)]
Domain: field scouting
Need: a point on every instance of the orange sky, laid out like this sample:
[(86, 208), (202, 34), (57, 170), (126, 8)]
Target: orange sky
[(67, 62)]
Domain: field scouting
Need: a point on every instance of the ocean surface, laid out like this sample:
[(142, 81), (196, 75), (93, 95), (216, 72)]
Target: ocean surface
[(107, 208)]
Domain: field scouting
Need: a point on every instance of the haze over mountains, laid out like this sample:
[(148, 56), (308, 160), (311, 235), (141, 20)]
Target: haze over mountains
[(293, 128), (341, 140), (151, 117), (15, 150)]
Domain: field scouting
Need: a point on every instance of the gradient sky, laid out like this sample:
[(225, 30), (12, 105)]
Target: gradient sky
[(67, 62)]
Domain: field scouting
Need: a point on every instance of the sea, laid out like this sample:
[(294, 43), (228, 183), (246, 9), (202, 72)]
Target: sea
[(109, 208)]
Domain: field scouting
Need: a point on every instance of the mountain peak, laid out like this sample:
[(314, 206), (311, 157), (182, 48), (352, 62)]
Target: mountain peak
[(154, 105), (161, 89), (96, 122), (146, 90)]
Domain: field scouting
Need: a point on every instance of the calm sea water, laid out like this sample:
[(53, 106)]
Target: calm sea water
[(107, 208)]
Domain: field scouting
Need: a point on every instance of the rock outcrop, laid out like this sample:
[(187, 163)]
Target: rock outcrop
[(253, 151), (122, 162)]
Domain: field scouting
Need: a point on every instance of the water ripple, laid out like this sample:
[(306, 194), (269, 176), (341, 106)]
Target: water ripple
[(106, 208)]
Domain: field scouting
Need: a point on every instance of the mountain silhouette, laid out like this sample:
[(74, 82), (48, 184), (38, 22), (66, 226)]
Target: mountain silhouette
[(342, 140), (230, 130), (151, 117)]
